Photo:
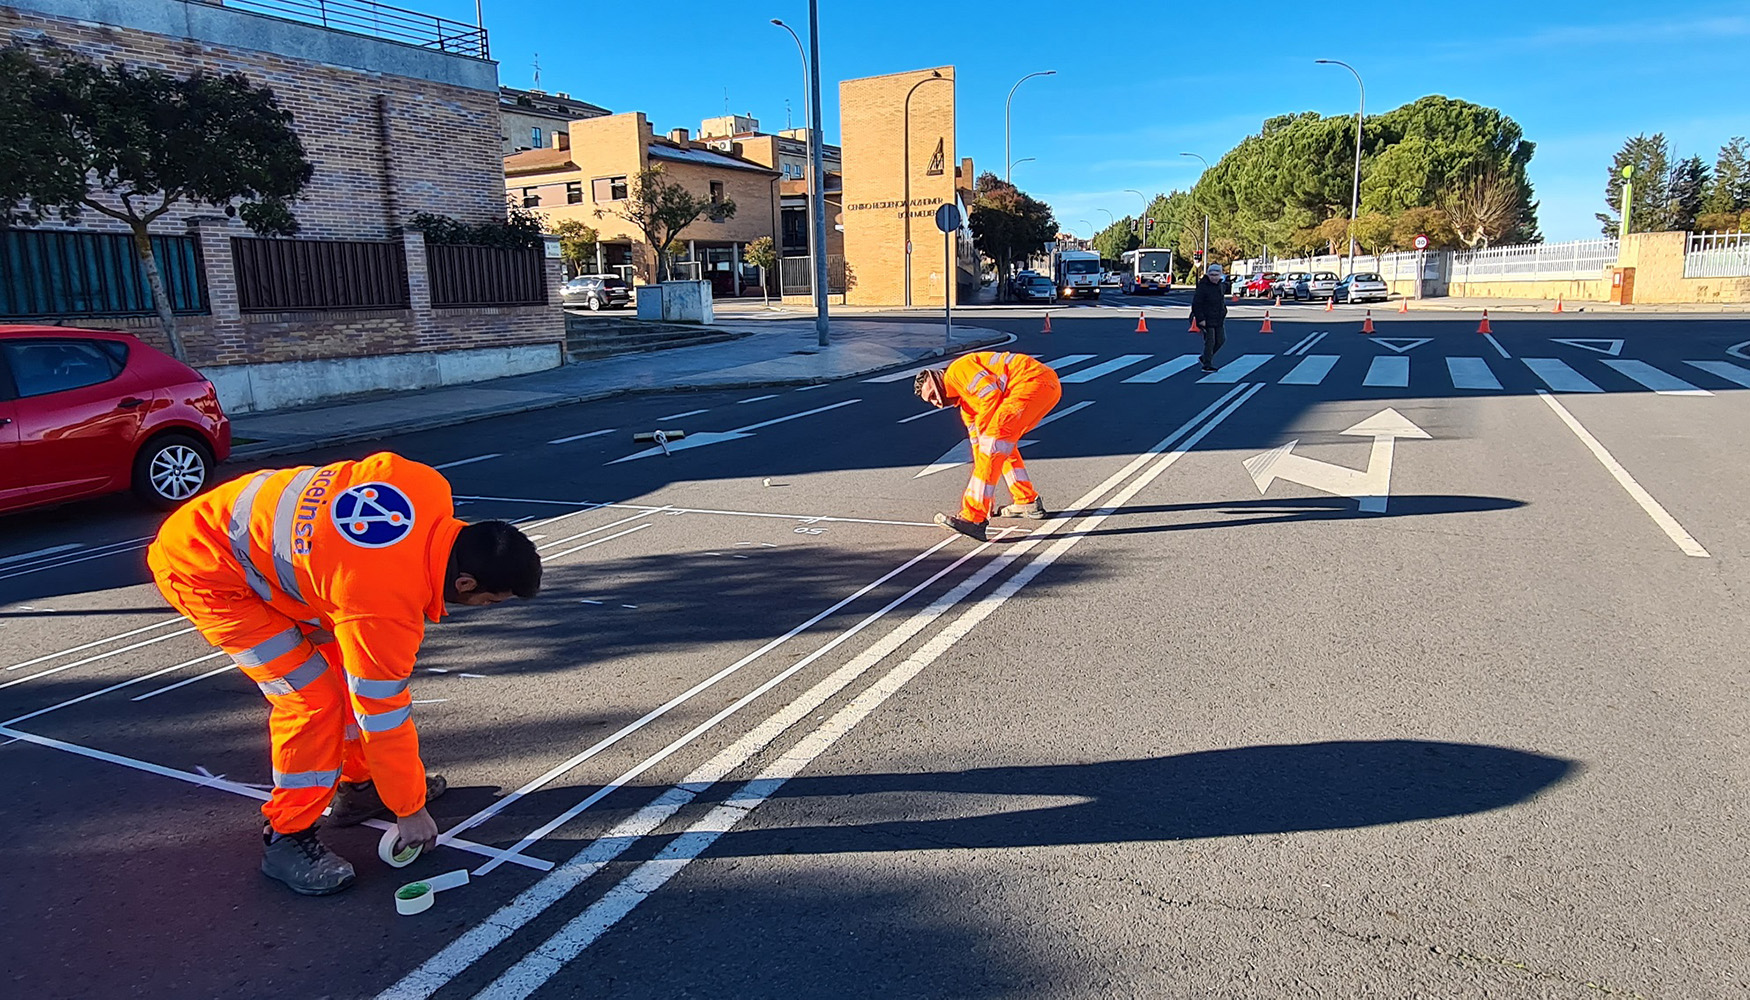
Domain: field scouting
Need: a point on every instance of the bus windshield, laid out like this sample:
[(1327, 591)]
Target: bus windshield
[(1153, 261)]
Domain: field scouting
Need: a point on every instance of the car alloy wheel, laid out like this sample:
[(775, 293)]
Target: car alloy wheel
[(177, 472), (594, 304)]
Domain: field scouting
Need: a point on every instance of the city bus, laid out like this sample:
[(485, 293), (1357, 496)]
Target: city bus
[(1148, 271)]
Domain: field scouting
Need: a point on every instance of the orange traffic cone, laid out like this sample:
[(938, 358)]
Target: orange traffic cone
[(1194, 326), (1404, 306), (1047, 324), (1367, 324), (1483, 327), (1266, 327), (1558, 303), (1236, 298), (1278, 301), (1141, 322), (1330, 303)]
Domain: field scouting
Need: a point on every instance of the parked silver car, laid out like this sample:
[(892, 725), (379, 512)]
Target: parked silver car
[(1364, 286), (595, 292), (1284, 286), (1317, 285)]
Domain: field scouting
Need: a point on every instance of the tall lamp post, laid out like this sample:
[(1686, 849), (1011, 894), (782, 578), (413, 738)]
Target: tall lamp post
[(1355, 195), (1205, 163), (1092, 230), (1141, 220), (813, 183), (1009, 164), (1024, 159), (905, 166)]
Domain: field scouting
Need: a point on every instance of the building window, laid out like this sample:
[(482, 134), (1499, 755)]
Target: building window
[(574, 193), (609, 189), (531, 197), (535, 137), (716, 192)]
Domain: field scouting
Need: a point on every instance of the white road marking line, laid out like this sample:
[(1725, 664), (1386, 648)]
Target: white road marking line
[(689, 413), (52, 563), (1724, 369), (1656, 379), (1067, 360), (478, 941), (805, 388), (1497, 345), (1558, 376), (1392, 370), (603, 792), (793, 416), (112, 687), (185, 683), (99, 656), (39, 553), (534, 538), (469, 461), (1163, 371), (1105, 368), (756, 399), (1237, 369), (687, 695), (1307, 342), (96, 642), (585, 545), (1311, 370), (1660, 516), (223, 785), (1471, 373), (701, 510), (580, 437), (540, 965), (611, 524), (928, 413), (908, 373)]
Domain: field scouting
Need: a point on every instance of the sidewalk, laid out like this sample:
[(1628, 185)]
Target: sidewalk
[(775, 351)]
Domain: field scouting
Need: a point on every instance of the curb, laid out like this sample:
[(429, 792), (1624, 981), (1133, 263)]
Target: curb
[(268, 449)]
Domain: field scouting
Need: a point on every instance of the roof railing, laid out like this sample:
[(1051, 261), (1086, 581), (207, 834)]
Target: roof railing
[(379, 20)]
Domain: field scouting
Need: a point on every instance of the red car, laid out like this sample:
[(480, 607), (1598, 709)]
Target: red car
[(87, 412), (1260, 284)]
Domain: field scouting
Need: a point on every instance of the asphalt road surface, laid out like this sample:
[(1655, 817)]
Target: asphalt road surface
[(1402, 666)]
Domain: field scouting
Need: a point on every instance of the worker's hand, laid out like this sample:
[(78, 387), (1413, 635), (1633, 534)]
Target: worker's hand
[(418, 828)]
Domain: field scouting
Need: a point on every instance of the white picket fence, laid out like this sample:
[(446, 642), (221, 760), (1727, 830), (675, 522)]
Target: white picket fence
[(1536, 261), (1717, 255), (1390, 266)]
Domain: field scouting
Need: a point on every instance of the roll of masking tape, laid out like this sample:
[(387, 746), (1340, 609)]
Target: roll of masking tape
[(391, 857), (414, 897)]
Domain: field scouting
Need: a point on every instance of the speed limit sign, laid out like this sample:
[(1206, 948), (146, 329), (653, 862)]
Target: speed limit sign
[(1421, 242)]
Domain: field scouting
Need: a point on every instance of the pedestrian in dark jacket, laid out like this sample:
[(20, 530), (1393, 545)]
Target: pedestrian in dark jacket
[(1209, 313)]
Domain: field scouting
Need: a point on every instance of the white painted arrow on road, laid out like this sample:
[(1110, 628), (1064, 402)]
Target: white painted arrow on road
[(961, 454), (704, 438), (1370, 486)]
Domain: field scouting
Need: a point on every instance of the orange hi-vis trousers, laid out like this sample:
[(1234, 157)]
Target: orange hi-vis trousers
[(996, 446), (311, 723)]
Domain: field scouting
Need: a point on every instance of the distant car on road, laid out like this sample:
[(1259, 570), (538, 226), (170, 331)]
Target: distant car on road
[(1284, 286), (1365, 286), (88, 412), (1038, 288), (595, 292), (1259, 285), (1317, 285)]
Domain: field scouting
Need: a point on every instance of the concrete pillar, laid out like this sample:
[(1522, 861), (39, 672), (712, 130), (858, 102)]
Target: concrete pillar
[(735, 266), (418, 283)]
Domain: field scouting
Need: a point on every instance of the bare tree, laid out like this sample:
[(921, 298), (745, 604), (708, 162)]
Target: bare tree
[(1483, 205), (661, 209)]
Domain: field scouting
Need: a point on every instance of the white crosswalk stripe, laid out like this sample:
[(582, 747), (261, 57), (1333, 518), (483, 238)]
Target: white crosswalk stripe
[(1237, 369), (1164, 371), (1311, 370), (1067, 360), (1559, 377), (1106, 368), (1388, 370), (1656, 379), (1724, 369), (1471, 373)]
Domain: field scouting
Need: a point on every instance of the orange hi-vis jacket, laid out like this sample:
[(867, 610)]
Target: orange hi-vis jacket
[(357, 548), (1001, 395)]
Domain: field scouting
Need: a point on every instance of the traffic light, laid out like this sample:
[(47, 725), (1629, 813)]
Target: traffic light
[(1197, 255), (1150, 228)]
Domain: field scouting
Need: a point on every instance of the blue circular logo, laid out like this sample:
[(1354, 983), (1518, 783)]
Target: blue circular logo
[(373, 515)]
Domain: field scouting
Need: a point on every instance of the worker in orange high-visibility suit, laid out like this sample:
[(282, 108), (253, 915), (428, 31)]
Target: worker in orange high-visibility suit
[(318, 583), (1001, 396)]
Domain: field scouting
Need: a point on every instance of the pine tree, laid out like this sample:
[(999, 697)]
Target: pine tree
[(1650, 156), (1730, 191), (1685, 193)]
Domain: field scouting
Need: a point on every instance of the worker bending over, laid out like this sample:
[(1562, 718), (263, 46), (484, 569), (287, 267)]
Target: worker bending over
[(1001, 396), (318, 583)]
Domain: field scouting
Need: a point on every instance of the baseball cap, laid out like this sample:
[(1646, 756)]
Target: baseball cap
[(1215, 269)]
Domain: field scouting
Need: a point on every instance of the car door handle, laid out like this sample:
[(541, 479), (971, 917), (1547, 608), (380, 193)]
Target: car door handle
[(4, 421), (130, 402)]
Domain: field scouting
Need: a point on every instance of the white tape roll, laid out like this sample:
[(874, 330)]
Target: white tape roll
[(414, 897), (393, 858)]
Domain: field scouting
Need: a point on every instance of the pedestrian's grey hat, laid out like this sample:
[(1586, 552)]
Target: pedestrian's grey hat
[(1215, 269)]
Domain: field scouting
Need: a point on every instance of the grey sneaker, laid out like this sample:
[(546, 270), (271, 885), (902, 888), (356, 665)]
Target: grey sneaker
[(304, 863), (1034, 511), (357, 801), (971, 529)]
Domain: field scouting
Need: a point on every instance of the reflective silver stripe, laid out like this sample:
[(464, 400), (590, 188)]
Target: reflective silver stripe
[(385, 721), (282, 533), (375, 689), (973, 385), (270, 650), (298, 679), (992, 445), (241, 512), (305, 779), (1017, 474)]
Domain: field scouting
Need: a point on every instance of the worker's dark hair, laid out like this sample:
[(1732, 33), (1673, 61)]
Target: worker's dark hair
[(922, 379), (500, 558)]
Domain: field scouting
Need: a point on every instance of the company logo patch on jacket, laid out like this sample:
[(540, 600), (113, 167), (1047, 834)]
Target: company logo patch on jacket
[(373, 515)]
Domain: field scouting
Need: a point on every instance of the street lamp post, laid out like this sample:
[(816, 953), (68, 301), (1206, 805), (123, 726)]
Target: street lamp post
[(1355, 194), (814, 182), (1141, 220), (1092, 231), (905, 166), (1024, 159), (1205, 214), (1009, 164)]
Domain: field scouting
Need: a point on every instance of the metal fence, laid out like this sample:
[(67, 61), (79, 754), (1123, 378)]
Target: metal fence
[(464, 276), (1536, 261), (313, 275), (796, 275), (51, 273), (1717, 255), (379, 20)]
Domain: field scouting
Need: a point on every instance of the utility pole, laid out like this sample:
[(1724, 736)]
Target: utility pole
[(816, 167), (1355, 194)]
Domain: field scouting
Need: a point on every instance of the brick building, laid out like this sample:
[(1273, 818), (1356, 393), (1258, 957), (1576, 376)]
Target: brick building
[(535, 119), (394, 127), (787, 152), (592, 178)]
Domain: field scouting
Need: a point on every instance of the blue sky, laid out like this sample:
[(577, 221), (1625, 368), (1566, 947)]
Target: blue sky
[(1133, 89)]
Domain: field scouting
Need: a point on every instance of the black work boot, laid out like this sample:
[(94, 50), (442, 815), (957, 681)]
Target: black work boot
[(971, 529), (304, 863), (356, 801), (1034, 511)]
